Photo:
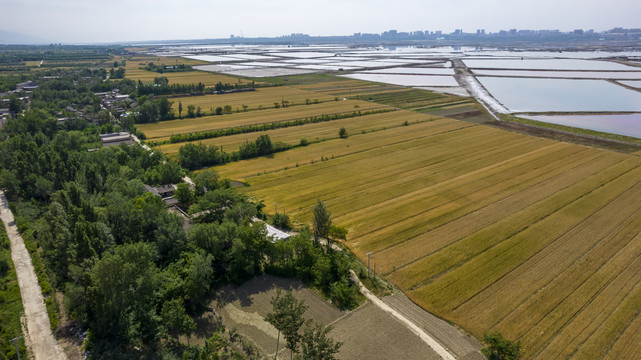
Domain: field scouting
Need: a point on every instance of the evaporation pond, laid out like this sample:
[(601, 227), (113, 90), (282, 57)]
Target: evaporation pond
[(407, 80), (537, 95), (546, 64), (629, 124)]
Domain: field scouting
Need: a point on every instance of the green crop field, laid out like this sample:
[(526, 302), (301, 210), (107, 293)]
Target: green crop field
[(492, 230)]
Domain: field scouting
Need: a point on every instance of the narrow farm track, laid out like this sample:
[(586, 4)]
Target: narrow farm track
[(40, 339), (442, 351), (461, 345)]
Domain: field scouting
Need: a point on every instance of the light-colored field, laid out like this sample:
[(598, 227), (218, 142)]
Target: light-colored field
[(489, 229), (314, 132), (262, 97), (337, 149), (349, 87), (133, 71), (164, 129)]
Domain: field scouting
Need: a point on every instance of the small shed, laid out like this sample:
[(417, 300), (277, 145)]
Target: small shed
[(117, 138)]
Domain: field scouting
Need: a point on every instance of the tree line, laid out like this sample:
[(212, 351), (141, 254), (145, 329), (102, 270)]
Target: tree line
[(177, 138), (196, 156)]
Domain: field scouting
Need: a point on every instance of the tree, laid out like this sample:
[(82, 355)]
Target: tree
[(227, 109), (14, 105), (191, 111), (342, 132), (287, 317), (180, 109), (338, 232), (322, 221), (245, 108), (184, 194), (499, 348), (164, 108), (316, 345), (219, 110), (281, 221), (175, 318), (122, 295)]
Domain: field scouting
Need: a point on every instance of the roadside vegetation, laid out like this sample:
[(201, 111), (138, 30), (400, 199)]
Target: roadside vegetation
[(10, 304)]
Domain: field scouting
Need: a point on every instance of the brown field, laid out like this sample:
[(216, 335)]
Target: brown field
[(164, 129), (262, 97), (492, 230), (245, 307)]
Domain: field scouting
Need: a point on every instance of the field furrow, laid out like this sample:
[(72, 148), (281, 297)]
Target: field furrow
[(475, 243)]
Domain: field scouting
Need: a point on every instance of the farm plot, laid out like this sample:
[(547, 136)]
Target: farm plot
[(259, 99), (164, 129), (366, 333), (489, 229), (350, 88), (133, 71), (314, 132), (337, 149)]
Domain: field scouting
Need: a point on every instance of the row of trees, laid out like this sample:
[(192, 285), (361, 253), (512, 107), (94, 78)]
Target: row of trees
[(166, 68), (196, 156), (176, 138)]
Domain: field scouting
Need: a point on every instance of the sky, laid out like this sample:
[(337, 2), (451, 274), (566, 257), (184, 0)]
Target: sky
[(92, 21)]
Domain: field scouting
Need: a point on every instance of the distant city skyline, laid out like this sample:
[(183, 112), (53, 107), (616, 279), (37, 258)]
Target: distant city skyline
[(91, 21)]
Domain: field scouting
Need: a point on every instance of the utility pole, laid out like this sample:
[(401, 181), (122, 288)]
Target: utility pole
[(368, 256), (15, 343)]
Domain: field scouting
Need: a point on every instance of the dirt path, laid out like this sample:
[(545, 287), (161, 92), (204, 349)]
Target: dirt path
[(41, 342), (443, 352)]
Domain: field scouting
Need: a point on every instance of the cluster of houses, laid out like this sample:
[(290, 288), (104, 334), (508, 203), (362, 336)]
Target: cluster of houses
[(114, 101), (25, 87)]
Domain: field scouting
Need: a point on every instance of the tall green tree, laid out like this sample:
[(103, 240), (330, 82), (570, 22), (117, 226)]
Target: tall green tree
[(180, 109), (499, 348), (322, 221), (122, 295), (287, 317), (316, 345)]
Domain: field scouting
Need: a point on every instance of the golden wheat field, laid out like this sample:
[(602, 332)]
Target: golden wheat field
[(492, 230), (133, 71), (261, 98), (314, 132), (164, 129)]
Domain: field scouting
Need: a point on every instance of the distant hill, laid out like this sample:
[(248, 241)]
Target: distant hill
[(13, 38)]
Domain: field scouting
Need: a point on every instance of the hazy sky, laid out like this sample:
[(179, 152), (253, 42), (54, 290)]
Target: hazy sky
[(119, 20)]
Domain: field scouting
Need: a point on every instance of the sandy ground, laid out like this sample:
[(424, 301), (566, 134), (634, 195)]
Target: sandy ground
[(40, 339)]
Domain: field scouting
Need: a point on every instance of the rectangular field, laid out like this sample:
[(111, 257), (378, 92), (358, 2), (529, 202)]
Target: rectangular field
[(261, 98), (164, 129), (313, 132), (492, 230)]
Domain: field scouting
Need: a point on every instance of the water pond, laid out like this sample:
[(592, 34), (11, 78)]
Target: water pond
[(407, 80), (547, 64), (629, 125), (539, 95)]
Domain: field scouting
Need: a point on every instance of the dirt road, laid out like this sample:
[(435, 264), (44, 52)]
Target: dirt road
[(468, 352), (40, 340)]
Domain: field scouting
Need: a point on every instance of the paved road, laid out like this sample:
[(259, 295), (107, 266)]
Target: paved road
[(435, 345), (39, 338)]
